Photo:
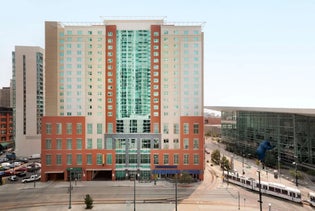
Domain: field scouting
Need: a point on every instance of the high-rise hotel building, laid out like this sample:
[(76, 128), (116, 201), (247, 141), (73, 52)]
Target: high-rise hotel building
[(123, 98), (27, 98)]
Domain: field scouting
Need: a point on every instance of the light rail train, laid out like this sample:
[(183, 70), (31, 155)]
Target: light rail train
[(268, 188)]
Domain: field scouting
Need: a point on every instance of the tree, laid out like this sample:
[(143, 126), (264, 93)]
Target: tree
[(215, 156), (88, 201), (225, 163)]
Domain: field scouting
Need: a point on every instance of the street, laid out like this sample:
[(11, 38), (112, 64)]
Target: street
[(210, 194)]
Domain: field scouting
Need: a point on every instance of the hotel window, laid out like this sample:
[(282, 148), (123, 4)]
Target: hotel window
[(156, 128), (176, 143), (110, 34), (89, 128), (99, 143), (186, 128), (58, 128), (145, 158), (108, 143), (69, 128), (48, 143), (132, 158), (59, 144), (165, 159), (99, 128), (99, 159), (89, 159), (155, 33), (156, 144), (48, 128), (165, 143), (79, 143), (69, 143), (79, 159), (196, 159), (79, 128), (58, 160), (156, 159), (110, 127), (165, 128), (109, 159), (176, 128), (186, 159), (186, 143), (176, 159), (69, 159), (48, 160), (196, 143), (120, 158), (89, 143), (196, 128), (145, 144)]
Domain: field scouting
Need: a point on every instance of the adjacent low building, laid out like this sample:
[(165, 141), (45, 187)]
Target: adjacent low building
[(6, 127)]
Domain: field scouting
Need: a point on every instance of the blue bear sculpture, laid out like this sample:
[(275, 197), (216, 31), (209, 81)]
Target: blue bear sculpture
[(262, 148)]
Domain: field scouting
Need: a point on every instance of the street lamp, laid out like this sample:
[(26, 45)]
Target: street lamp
[(176, 192), (260, 200), (70, 171), (137, 174), (134, 193), (296, 176)]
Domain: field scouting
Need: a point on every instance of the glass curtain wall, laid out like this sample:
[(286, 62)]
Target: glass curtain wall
[(292, 134)]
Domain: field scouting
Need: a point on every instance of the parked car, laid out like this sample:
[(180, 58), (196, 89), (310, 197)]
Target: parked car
[(24, 160), (11, 156), (21, 174), (13, 178), (4, 159), (32, 178), (21, 168)]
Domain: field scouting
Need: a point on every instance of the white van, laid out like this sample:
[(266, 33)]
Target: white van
[(5, 164)]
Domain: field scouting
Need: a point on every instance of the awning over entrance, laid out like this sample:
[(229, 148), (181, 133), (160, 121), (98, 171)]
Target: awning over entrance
[(174, 171), (75, 169), (98, 169), (165, 171), (53, 172)]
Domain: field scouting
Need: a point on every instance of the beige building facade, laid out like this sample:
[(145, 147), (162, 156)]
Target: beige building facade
[(27, 98)]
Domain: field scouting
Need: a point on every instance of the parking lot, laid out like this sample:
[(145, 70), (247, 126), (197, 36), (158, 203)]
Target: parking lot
[(18, 169)]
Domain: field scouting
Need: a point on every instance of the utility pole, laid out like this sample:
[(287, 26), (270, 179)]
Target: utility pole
[(70, 187), (260, 195), (176, 192)]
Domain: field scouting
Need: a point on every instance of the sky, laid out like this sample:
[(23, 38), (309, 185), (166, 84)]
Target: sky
[(256, 53)]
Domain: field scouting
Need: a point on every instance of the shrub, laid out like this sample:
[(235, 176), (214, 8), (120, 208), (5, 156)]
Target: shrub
[(185, 178), (88, 201)]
